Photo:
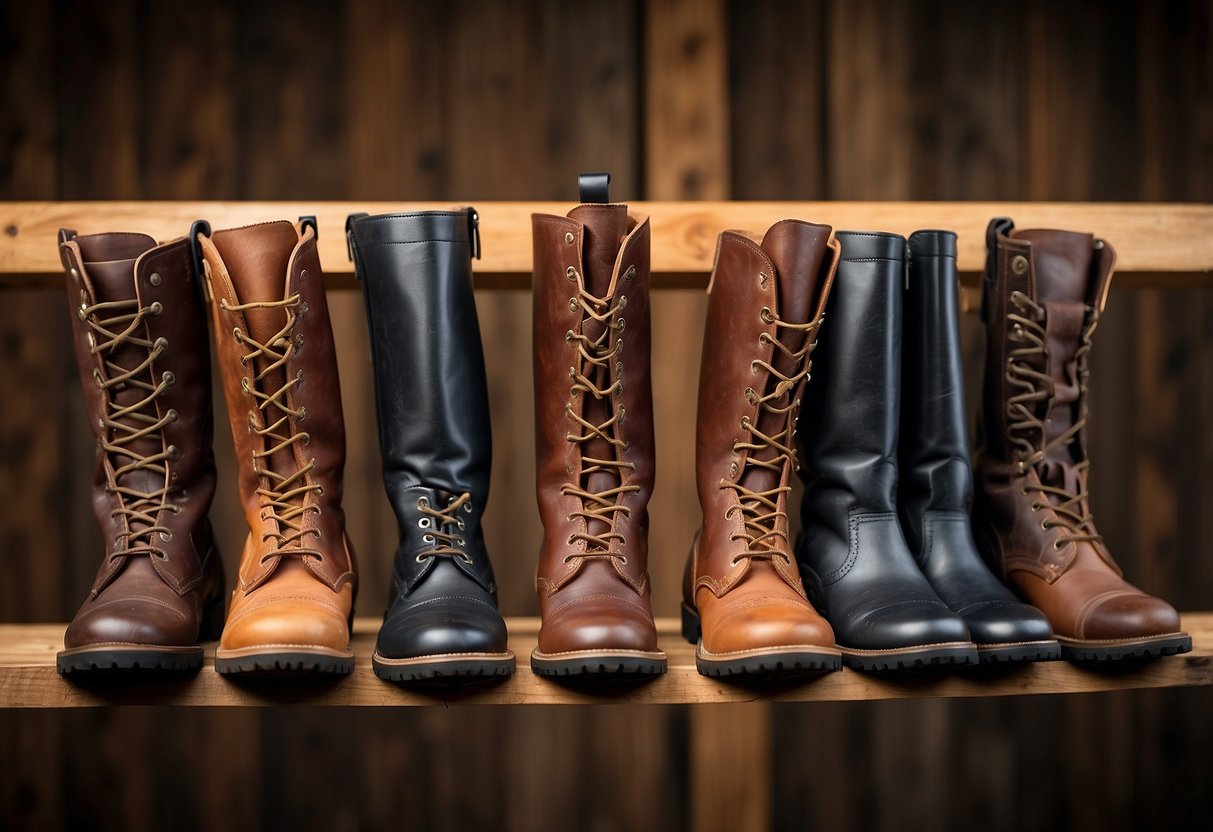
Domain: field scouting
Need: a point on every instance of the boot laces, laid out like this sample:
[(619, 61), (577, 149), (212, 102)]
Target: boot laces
[(596, 355), (284, 498), (1031, 406), (124, 425), (765, 537), (444, 527)]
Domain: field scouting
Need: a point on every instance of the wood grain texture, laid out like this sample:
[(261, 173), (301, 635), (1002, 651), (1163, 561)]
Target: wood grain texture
[(28, 679), (1153, 240)]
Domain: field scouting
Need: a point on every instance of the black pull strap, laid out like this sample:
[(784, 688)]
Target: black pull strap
[(310, 220), (594, 187), (199, 227), (999, 226), (349, 234), (474, 231)]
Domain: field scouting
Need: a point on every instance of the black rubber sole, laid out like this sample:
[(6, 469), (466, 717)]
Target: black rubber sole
[(1127, 650), (110, 659), (922, 657), (1028, 651), (782, 663), (285, 663), (451, 666), (604, 663)]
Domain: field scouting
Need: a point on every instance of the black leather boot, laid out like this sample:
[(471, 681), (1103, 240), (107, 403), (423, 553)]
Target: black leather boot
[(854, 560), (432, 401), (936, 485)]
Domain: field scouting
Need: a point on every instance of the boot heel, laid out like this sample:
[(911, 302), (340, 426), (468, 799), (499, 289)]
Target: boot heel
[(691, 630), (212, 620)]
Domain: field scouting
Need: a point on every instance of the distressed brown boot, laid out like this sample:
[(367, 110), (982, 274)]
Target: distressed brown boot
[(1042, 298), (594, 440), (743, 601), (292, 606), (139, 329)]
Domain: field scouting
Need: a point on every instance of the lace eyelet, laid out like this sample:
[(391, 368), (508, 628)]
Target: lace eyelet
[(467, 507), (423, 502), (156, 308), (570, 273), (1044, 525), (169, 378), (767, 316), (161, 344), (428, 538), (154, 278), (423, 523), (172, 415), (1057, 545)]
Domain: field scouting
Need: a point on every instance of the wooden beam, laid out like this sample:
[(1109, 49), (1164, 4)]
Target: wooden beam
[(1156, 243), (28, 679)]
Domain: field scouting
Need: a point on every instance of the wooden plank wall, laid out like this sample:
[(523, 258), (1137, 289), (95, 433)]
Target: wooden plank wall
[(797, 99)]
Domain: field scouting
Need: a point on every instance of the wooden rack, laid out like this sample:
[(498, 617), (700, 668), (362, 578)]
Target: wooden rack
[(1157, 245)]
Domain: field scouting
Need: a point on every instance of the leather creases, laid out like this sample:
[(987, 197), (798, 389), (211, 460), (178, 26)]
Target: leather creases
[(113, 337), (284, 493), (1061, 485)]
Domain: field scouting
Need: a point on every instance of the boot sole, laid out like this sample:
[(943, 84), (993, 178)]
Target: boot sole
[(785, 660), (1111, 650), (277, 661), (105, 658), (599, 662), (443, 666), (790, 660), (1023, 651), (949, 654)]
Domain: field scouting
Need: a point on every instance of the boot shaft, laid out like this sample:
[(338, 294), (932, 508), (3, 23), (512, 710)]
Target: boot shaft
[(765, 303), (275, 349), (593, 396), (935, 472), (849, 432), (431, 390), (139, 332)]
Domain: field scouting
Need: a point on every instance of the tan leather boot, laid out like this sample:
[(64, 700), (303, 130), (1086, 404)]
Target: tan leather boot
[(1043, 295), (293, 602), (594, 441), (139, 329), (743, 601)]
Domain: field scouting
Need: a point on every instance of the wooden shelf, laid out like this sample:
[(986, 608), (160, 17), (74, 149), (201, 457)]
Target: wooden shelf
[(1156, 243), (28, 679)]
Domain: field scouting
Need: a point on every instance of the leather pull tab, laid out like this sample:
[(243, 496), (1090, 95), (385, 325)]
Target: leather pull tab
[(998, 226), (66, 235), (594, 187), (474, 232), (204, 228), (310, 221), (349, 236)]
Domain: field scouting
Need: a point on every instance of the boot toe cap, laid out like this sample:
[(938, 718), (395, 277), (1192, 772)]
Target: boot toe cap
[(441, 626), (288, 624), (756, 628), (905, 624), (1130, 615), (130, 621), (604, 624), (999, 622)]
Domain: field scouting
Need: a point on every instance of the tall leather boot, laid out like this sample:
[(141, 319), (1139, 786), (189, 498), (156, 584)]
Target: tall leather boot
[(139, 329), (936, 486), (852, 554), (293, 602), (1042, 297), (594, 439), (434, 434), (743, 601)]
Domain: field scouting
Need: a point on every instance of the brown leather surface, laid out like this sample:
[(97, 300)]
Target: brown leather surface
[(299, 594), (601, 602), (748, 603), (1076, 583), (153, 589)]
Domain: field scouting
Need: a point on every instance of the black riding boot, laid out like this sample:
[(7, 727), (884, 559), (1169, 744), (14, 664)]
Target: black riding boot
[(936, 476), (854, 560), (432, 401)]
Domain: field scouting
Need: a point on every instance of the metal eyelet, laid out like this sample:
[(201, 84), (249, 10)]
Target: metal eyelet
[(422, 502), (1056, 547), (173, 453), (302, 274), (568, 238), (733, 469), (97, 378), (320, 490), (762, 278), (161, 344), (154, 278), (630, 273), (1044, 525), (623, 301), (157, 307), (421, 558), (570, 273), (427, 538), (299, 342), (423, 523), (460, 524), (169, 378), (568, 336), (572, 304), (621, 324), (172, 415), (768, 317), (622, 413), (1019, 264), (302, 414)]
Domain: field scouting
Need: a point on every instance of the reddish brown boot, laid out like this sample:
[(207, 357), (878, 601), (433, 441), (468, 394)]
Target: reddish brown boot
[(594, 441), (1043, 295)]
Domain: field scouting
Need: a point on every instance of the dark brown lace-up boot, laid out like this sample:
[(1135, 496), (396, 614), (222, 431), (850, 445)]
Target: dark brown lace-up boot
[(594, 440), (139, 329), (1043, 295)]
